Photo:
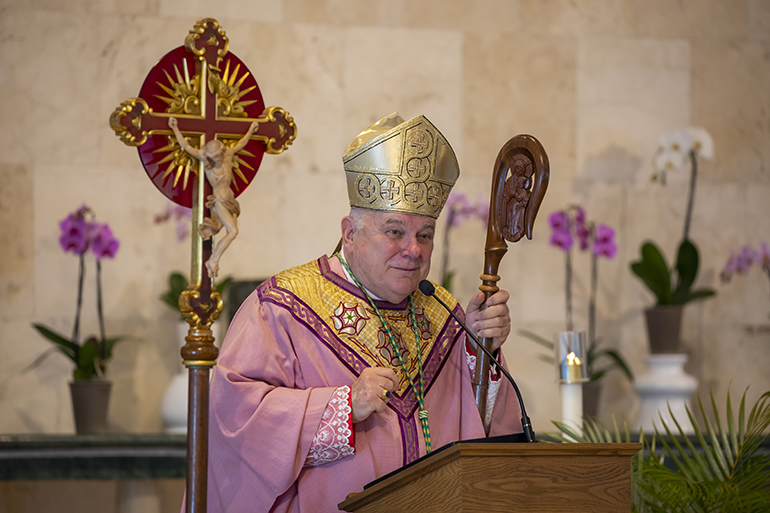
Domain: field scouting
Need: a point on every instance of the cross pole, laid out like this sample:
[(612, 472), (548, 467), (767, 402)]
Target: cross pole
[(209, 103)]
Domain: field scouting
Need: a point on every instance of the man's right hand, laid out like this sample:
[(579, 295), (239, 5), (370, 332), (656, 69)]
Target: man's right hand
[(366, 392), (172, 123)]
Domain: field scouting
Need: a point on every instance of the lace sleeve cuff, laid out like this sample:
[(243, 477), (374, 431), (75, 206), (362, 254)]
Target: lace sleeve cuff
[(470, 356), (335, 438)]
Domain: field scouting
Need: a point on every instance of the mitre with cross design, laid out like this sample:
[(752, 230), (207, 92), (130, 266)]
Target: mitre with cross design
[(400, 166)]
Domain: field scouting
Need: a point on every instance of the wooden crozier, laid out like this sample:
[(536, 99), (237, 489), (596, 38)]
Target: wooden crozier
[(513, 207)]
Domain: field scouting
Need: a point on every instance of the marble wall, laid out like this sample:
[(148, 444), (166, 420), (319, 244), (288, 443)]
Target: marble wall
[(596, 81)]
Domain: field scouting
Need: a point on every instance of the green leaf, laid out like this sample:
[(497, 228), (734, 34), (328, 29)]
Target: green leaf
[(224, 285), (687, 262), (87, 360), (715, 454), (654, 272), (447, 281), (109, 344), (534, 337), (618, 361), (177, 283), (65, 345), (699, 294)]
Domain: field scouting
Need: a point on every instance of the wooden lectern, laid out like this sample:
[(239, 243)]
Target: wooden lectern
[(507, 477)]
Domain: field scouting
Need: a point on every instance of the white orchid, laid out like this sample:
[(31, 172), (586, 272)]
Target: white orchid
[(676, 148), (702, 142), (668, 160), (678, 140)]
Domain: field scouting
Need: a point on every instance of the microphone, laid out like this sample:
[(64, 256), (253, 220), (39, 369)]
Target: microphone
[(428, 289)]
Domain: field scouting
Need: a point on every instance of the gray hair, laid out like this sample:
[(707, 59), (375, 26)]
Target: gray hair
[(360, 216)]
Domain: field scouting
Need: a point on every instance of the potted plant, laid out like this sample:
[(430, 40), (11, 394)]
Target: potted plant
[(722, 468), (90, 389), (664, 320), (673, 286), (566, 226)]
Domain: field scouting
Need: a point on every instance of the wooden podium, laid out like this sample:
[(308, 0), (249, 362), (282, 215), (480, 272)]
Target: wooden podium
[(507, 477)]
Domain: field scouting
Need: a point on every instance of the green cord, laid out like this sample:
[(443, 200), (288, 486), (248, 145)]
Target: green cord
[(419, 393)]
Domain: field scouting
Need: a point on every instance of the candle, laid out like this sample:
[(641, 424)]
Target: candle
[(572, 405), (573, 372)]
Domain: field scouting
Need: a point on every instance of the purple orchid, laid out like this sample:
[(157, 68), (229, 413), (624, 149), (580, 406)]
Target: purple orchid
[(604, 242), (181, 215), (74, 235), (103, 243), (582, 231), (559, 221), (79, 233), (731, 267), (740, 263), (562, 239), (566, 225)]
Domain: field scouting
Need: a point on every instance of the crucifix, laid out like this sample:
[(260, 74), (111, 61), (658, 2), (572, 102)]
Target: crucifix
[(201, 128)]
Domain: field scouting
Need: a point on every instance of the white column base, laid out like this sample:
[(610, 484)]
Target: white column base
[(665, 385)]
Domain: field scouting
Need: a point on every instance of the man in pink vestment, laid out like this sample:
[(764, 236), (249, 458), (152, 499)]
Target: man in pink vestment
[(339, 371)]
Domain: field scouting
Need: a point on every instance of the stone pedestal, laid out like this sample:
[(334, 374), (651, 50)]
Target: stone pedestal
[(665, 385), (173, 409)]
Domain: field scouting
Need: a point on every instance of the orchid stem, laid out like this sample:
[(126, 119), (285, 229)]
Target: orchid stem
[(81, 276), (568, 290), (691, 193), (445, 256), (592, 300), (102, 345)]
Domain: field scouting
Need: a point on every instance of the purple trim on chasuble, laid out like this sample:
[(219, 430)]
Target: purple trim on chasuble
[(404, 405)]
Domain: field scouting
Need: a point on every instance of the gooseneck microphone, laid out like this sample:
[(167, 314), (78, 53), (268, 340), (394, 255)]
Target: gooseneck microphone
[(428, 289)]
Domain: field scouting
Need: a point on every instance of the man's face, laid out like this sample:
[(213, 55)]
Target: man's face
[(390, 253)]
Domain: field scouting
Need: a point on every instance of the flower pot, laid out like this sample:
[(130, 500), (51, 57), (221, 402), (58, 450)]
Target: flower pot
[(664, 325), (591, 395), (90, 399)]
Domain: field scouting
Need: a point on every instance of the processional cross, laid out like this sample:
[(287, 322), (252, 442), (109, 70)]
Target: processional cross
[(211, 96)]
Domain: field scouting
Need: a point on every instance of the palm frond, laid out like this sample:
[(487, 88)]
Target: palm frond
[(715, 469)]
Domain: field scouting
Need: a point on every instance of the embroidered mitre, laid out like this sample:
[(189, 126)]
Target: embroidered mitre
[(400, 166)]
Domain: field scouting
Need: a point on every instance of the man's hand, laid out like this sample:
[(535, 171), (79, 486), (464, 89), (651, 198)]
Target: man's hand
[(172, 123), (366, 392), (253, 127), (492, 322)]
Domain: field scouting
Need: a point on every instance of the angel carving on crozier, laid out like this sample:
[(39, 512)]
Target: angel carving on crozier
[(516, 195)]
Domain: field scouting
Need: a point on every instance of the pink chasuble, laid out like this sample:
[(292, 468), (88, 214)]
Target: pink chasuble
[(294, 341)]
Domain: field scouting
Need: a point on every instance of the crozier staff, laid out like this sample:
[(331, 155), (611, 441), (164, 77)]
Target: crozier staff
[(339, 371)]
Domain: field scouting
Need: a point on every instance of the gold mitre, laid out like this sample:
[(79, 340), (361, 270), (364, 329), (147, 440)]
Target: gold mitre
[(400, 166)]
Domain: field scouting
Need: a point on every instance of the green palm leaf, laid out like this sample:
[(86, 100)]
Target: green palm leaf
[(716, 469)]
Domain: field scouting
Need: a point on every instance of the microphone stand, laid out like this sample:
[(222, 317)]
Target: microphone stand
[(428, 289)]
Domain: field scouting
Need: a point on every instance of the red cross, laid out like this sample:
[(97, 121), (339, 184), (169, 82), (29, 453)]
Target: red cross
[(213, 95)]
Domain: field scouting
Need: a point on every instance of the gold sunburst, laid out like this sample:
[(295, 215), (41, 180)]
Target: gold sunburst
[(184, 92), (229, 94)]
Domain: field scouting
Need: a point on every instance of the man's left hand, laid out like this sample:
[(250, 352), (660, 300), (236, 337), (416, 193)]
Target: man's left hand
[(494, 321)]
